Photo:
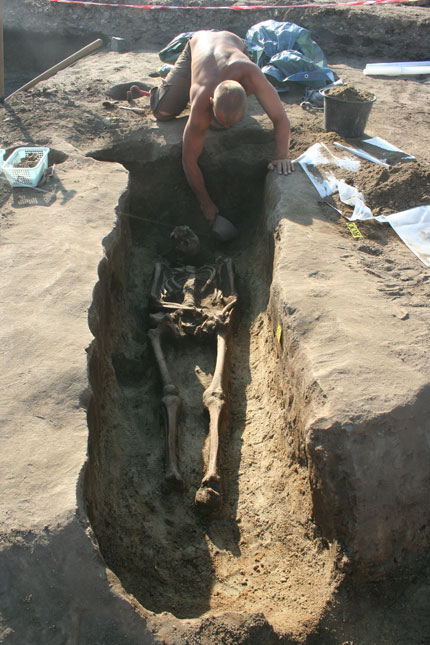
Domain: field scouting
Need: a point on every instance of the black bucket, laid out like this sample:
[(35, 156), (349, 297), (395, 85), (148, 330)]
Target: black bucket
[(346, 117)]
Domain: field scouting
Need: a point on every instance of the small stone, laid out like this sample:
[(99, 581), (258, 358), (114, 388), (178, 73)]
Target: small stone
[(119, 45), (402, 314)]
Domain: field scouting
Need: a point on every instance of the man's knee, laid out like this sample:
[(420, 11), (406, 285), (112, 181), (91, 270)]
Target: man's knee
[(163, 116), (158, 98)]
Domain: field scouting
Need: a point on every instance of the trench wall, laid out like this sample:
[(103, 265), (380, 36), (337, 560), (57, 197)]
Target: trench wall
[(359, 31), (107, 320), (360, 408)]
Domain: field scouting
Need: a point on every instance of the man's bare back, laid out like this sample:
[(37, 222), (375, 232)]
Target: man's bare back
[(213, 58), (217, 58)]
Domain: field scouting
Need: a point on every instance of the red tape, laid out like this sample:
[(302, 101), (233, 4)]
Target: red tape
[(234, 8)]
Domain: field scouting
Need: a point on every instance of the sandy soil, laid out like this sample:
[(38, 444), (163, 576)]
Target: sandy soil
[(270, 559)]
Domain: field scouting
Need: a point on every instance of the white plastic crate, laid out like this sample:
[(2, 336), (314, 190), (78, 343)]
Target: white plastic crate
[(29, 177)]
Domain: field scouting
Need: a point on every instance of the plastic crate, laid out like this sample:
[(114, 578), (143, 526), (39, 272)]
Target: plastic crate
[(29, 177)]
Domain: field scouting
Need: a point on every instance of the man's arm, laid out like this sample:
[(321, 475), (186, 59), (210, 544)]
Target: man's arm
[(268, 98), (192, 147)]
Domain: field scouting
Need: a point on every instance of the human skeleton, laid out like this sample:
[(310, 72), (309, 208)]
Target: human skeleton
[(198, 302)]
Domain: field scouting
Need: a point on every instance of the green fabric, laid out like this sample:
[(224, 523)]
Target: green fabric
[(174, 49)]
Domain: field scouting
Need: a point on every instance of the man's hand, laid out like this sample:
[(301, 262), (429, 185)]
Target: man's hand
[(210, 211), (283, 166)]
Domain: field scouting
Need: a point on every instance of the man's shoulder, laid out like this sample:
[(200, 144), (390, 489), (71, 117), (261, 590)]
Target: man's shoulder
[(246, 65), (247, 73)]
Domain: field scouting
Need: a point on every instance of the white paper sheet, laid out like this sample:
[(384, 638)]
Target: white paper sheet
[(385, 145), (413, 227), (362, 154), (383, 151), (352, 197), (319, 164)]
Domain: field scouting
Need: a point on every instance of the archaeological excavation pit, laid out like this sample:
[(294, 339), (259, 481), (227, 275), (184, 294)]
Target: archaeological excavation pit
[(253, 552), (307, 488), (323, 464)]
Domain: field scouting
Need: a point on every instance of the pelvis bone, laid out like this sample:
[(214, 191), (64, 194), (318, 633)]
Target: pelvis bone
[(198, 302)]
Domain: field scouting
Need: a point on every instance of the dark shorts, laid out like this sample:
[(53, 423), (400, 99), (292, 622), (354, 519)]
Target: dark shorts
[(173, 95)]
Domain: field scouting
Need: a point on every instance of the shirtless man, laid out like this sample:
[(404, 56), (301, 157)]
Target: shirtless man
[(215, 75)]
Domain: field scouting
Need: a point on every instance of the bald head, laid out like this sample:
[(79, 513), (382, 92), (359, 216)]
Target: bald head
[(229, 102)]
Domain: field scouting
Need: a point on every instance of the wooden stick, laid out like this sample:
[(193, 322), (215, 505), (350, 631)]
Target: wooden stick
[(1, 55), (59, 66)]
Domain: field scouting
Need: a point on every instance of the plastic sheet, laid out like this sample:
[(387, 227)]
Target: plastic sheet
[(397, 69), (413, 228), (320, 165), (380, 151), (350, 196), (287, 54)]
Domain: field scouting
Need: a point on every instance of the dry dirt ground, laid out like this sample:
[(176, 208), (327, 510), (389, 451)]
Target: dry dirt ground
[(270, 559)]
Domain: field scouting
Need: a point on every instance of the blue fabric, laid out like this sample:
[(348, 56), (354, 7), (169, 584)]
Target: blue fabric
[(286, 53)]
